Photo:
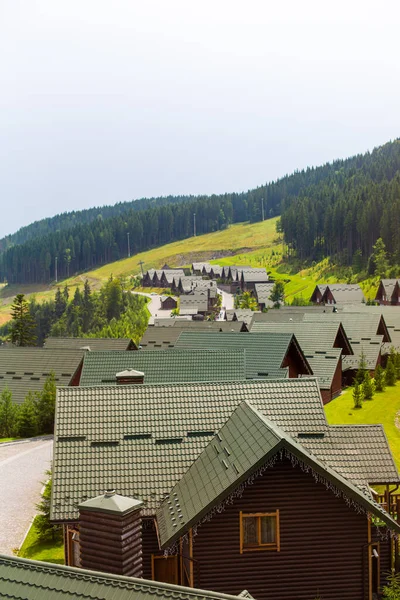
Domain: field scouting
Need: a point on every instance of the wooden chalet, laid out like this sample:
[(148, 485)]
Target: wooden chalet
[(25, 369), (168, 303), (250, 277), (342, 293), (253, 498), (243, 485), (164, 337), (262, 292), (388, 292), (196, 301), (167, 277), (324, 345), (148, 277), (316, 296), (368, 335), (197, 267), (273, 355), (24, 579)]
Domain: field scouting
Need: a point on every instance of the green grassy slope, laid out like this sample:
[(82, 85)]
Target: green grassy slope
[(383, 408), (255, 244)]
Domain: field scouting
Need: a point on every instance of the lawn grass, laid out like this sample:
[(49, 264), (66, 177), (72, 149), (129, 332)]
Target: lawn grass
[(10, 439), (35, 549), (383, 408)]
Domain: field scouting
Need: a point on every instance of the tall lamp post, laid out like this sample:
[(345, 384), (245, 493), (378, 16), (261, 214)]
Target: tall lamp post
[(194, 224), (56, 269), (129, 248)]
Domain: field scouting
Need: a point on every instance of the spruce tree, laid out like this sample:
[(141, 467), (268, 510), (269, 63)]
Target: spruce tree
[(27, 424), (46, 405), (362, 366), (367, 387), (22, 329), (8, 414), (390, 372), (357, 396), (277, 294), (379, 379)]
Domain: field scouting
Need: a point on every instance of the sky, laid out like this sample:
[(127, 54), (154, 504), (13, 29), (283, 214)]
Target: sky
[(109, 101)]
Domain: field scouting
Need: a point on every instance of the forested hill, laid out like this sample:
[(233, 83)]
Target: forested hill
[(82, 240), (344, 215)]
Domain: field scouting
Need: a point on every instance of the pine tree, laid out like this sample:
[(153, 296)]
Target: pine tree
[(8, 414), (362, 366), (60, 304), (379, 379), (46, 405), (368, 387), (358, 396), (390, 372), (22, 329), (27, 424), (277, 294), (46, 530)]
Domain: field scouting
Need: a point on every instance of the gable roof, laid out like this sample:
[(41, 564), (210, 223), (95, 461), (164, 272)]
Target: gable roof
[(25, 369), (361, 330), (96, 344), (140, 439), (388, 286), (317, 343), (240, 314), (162, 338), (245, 443), (265, 353), (100, 368), (23, 579), (197, 300), (252, 276), (344, 293), (263, 292), (318, 288)]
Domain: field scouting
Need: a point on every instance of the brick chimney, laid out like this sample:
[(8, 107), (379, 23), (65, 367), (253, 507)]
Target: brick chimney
[(129, 377), (110, 531)]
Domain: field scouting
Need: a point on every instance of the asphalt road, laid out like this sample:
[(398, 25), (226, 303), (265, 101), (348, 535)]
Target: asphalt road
[(22, 473), (154, 306)]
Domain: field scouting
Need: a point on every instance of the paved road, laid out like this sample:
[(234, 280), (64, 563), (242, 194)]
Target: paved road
[(154, 306), (227, 300), (22, 471)]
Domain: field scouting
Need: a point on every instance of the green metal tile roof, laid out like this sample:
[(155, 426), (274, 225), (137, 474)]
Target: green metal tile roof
[(345, 293), (316, 342), (24, 370), (140, 439), (100, 368), (246, 442), (361, 330), (23, 579), (265, 353), (95, 344)]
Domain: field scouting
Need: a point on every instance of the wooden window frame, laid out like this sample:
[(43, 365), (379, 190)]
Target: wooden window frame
[(276, 546)]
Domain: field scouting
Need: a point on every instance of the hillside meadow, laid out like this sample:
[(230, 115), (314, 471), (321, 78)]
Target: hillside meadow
[(253, 244)]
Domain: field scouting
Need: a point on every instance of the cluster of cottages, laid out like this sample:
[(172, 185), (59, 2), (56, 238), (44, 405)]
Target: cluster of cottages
[(201, 459), (197, 286)]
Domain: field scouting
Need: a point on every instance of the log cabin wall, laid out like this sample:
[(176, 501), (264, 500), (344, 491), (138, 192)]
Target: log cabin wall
[(322, 543), (150, 546), (111, 543)]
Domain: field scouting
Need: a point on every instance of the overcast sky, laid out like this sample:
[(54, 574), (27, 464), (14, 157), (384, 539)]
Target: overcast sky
[(107, 101)]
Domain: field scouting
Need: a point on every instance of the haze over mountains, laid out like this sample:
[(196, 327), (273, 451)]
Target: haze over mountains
[(336, 209)]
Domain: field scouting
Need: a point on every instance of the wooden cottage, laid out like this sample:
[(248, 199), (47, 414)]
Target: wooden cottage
[(168, 303), (388, 292), (243, 484), (343, 293), (316, 296)]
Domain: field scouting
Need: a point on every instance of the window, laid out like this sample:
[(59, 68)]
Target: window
[(259, 531)]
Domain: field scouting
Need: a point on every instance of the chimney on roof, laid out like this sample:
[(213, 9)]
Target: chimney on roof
[(129, 377), (110, 534)]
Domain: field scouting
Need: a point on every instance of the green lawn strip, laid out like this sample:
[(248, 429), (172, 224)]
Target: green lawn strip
[(36, 549), (383, 408), (10, 439)]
